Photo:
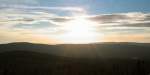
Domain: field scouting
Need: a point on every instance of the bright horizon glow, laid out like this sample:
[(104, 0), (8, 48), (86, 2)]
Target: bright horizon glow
[(79, 30)]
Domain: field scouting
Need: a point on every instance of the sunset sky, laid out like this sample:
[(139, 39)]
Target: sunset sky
[(74, 21)]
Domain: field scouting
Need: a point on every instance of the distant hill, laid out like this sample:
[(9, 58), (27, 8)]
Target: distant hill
[(97, 50), (75, 59)]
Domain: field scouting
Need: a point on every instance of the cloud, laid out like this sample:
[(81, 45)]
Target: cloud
[(142, 24), (28, 14), (31, 22), (46, 8), (35, 21), (36, 25), (61, 19), (121, 17), (122, 23), (110, 18), (18, 2)]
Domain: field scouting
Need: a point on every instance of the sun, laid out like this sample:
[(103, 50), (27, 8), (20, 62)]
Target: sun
[(79, 30)]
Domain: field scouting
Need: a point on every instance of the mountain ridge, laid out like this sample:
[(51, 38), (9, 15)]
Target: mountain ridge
[(68, 59), (108, 49)]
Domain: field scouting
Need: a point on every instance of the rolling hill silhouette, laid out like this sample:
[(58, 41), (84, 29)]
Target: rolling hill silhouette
[(75, 59), (99, 50)]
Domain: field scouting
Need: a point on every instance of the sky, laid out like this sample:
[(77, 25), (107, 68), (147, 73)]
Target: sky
[(74, 21)]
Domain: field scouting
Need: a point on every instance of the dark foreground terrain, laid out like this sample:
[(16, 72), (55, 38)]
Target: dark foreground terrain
[(69, 59)]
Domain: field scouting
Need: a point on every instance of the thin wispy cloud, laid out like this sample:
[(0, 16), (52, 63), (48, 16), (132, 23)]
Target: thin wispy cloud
[(58, 8), (38, 21), (18, 2), (133, 22)]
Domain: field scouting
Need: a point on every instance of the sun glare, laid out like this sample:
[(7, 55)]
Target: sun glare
[(79, 30)]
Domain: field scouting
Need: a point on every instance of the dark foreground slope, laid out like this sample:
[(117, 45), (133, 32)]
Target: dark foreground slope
[(38, 59), (32, 63)]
